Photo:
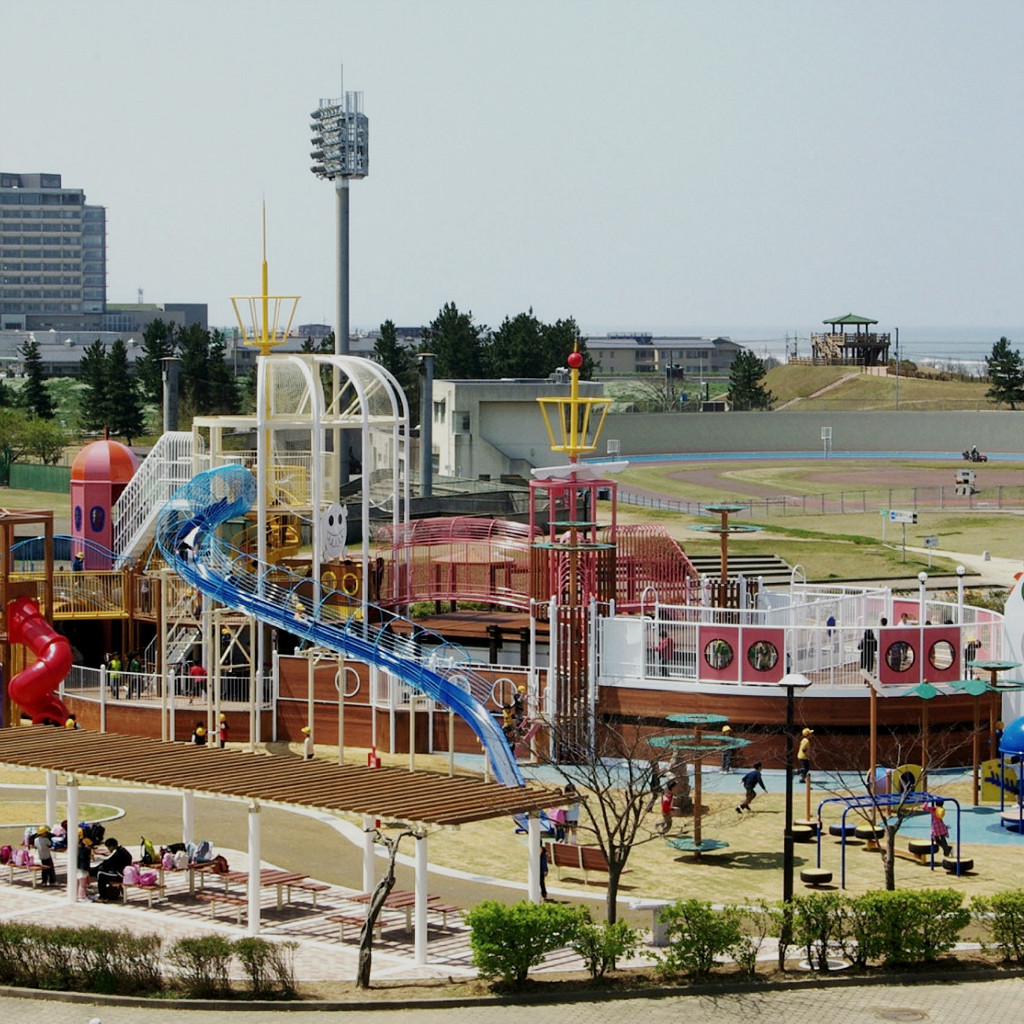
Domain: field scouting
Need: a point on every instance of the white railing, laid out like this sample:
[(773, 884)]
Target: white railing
[(163, 471)]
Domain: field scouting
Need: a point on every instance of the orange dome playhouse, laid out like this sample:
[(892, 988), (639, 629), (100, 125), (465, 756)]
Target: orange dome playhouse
[(99, 474)]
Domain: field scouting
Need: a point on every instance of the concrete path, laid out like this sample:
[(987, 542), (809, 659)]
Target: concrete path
[(994, 1002)]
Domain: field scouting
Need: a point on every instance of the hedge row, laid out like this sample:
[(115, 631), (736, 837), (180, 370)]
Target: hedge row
[(119, 961)]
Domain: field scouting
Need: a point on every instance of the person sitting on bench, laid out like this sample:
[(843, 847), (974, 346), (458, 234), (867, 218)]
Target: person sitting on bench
[(109, 873)]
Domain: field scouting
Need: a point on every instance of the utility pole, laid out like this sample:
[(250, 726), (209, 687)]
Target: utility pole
[(897, 369)]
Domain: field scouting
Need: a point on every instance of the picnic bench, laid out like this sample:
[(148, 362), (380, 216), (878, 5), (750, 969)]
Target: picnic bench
[(213, 897), (582, 858), (157, 889), (306, 885), (33, 870), (356, 921)]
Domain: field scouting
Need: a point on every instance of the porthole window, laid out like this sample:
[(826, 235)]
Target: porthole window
[(899, 656), (762, 655), (718, 654), (941, 655)]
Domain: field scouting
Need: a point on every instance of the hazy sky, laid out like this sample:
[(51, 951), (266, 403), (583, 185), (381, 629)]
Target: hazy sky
[(632, 163)]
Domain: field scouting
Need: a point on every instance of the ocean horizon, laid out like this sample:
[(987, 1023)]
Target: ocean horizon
[(954, 348)]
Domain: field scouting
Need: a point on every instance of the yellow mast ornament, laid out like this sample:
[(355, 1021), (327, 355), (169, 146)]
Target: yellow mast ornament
[(264, 333), (577, 422)]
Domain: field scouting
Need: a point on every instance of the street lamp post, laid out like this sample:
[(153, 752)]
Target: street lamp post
[(792, 681)]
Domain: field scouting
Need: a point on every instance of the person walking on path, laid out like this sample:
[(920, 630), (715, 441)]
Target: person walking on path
[(751, 781), (803, 755)]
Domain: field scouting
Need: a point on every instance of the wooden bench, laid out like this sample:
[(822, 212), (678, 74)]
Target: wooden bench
[(158, 890), (307, 886), (240, 903), (583, 858), (444, 909), (33, 870), (355, 921)]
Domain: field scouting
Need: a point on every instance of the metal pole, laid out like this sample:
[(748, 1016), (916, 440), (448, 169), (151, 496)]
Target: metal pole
[(787, 837), (426, 425)]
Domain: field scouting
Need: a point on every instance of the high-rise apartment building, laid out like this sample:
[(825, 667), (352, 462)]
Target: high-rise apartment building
[(53, 255)]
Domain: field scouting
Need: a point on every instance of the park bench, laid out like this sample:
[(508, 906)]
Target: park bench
[(307, 885), (158, 889), (356, 921), (240, 903), (583, 858), (444, 909), (33, 870)]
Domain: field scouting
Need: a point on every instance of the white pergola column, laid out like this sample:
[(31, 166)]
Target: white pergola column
[(533, 857), (420, 906), (72, 869), (254, 868), (369, 875), (188, 816), (50, 813)]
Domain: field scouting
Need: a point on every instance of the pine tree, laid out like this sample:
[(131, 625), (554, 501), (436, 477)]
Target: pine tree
[(400, 362), (126, 419), (223, 386), (92, 369), (37, 398), (746, 392), (455, 341), (1005, 374), (194, 346), (517, 348), (157, 345)]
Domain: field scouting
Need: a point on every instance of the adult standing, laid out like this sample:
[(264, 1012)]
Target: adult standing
[(751, 781), (869, 647)]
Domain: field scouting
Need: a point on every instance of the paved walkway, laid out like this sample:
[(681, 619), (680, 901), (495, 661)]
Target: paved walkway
[(994, 1002)]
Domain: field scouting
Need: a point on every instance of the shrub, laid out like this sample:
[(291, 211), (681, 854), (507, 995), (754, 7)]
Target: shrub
[(698, 934), (1002, 917), (602, 945), (269, 966), (758, 920), (508, 940), (818, 925), (904, 927), (202, 965)]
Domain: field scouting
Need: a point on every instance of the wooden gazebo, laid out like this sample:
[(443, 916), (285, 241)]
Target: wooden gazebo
[(863, 347)]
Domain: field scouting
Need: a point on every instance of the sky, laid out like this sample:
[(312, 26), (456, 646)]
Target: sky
[(665, 165)]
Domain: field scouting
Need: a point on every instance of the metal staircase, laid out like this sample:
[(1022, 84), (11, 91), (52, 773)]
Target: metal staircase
[(163, 471)]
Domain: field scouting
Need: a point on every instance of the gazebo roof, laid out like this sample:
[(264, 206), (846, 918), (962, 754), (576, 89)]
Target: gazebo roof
[(393, 794), (849, 318)]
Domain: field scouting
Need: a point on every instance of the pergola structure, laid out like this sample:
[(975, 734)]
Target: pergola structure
[(420, 800), (863, 347)]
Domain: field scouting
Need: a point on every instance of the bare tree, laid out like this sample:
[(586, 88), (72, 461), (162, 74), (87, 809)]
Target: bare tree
[(373, 909), (614, 773)]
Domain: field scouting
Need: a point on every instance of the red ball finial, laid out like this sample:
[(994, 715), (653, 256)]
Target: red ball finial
[(575, 360)]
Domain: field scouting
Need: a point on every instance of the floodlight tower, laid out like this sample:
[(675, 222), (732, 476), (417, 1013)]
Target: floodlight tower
[(341, 141)]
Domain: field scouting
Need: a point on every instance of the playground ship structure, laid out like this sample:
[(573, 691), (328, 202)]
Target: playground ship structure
[(229, 548)]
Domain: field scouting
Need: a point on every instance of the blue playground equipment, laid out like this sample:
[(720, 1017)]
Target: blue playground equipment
[(881, 801), (1011, 745), (187, 537)]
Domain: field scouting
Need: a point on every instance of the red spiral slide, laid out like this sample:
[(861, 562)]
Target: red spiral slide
[(33, 688)]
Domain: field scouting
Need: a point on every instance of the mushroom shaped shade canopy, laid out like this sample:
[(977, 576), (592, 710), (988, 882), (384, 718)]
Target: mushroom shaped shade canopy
[(106, 462)]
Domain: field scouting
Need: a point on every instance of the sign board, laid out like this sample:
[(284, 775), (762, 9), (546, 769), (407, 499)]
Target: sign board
[(899, 516), (931, 542)]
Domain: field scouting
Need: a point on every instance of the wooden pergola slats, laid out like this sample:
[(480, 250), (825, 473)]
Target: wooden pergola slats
[(390, 793)]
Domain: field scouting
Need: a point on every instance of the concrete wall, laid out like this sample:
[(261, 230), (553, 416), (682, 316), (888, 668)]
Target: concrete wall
[(522, 436)]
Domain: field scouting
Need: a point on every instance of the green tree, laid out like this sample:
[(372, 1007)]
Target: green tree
[(1005, 374), (518, 348), (400, 362), (37, 398), (123, 402), (43, 440), (157, 345), (456, 343), (746, 390), (223, 386), (196, 392), (92, 369)]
